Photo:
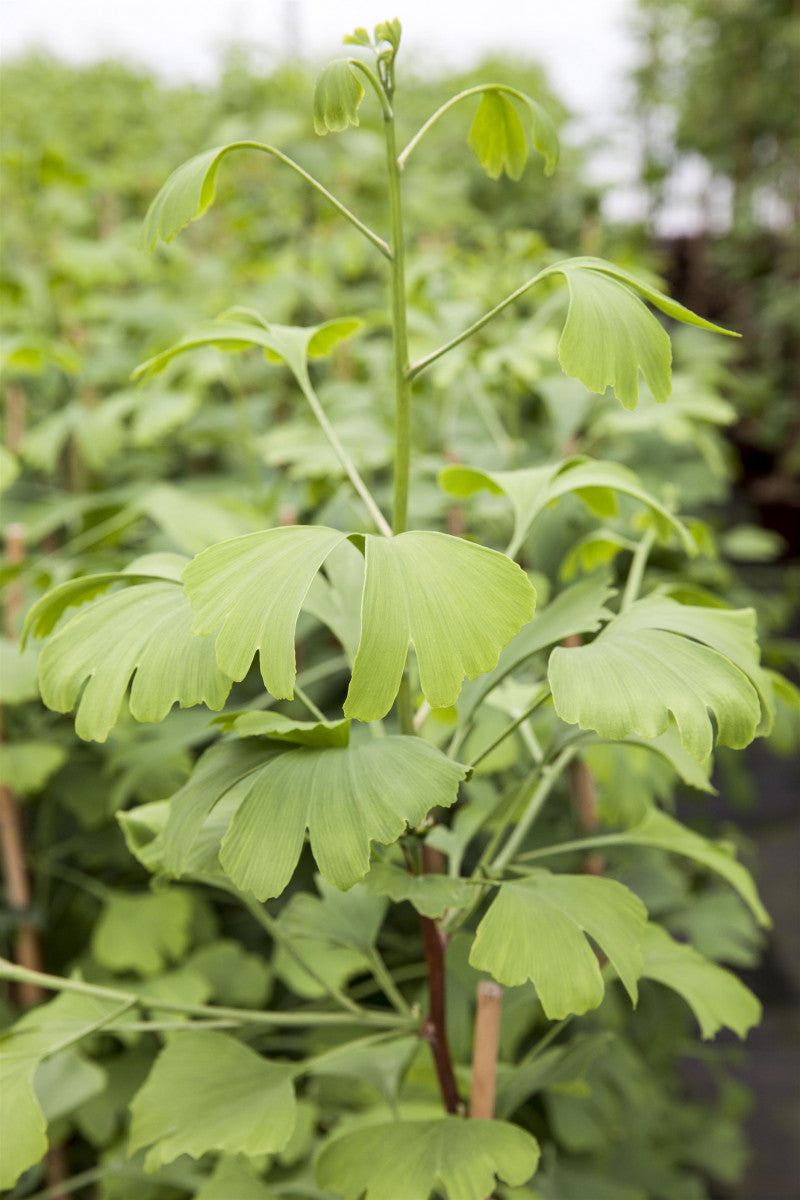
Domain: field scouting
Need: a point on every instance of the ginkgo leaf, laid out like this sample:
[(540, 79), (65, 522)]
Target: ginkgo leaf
[(207, 1092), (337, 96), (279, 728), (144, 633), (610, 336), (497, 136), (531, 490), (716, 997), (431, 895), (142, 933), (187, 193), (346, 798), (352, 919), (18, 672), (660, 659), (249, 592), (535, 929), (659, 829), (459, 603), (235, 1177), (40, 1033), (457, 1158), (292, 344)]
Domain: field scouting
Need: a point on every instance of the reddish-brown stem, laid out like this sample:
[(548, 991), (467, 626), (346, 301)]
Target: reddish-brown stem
[(434, 1030), (484, 1050)]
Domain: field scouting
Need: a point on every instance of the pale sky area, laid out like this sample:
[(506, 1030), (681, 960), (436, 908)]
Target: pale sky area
[(584, 45)]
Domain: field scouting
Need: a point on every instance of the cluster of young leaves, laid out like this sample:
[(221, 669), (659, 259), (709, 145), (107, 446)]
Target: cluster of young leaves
[(180, 1059)]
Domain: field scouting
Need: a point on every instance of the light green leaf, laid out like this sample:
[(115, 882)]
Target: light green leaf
[(9, 468), (337, 96), (238, 977), (65, 1081), (660, 659), (208, 1092), (497, 137), (40, 1033), (659, 829), (461, 1159), (716, 997), (431, 895), (531, 490), (142, 632), (459, 603), (144, 932), (381, 1067), (346, 798), (18, 672), (187, 193), (249, 591), (25, 767), (235, 1179), (351, 919), (281, 343), (610, 336), (535, 929), (561, 1067), (279, 728), (193, 522)]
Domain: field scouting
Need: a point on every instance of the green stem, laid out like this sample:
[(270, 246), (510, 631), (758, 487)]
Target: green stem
[(245, 1016), (637, 568), (344, 458), (549, 776), (368, 233), (388, 986), (402, 386), (451, 103), (423, 363), (578, 844), (308, 702), (268, 923), (541, 696)]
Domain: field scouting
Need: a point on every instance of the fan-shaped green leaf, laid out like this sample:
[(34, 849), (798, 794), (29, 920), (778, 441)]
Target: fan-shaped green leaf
[(460, 1159), (249, 591), (660, 659), (281, 343), (187, 193), (716, 997), (40, 1033), (458, 603), (337, 96), (497, 136), (532, 490), (431, 895), (208, 1092), (610, 336), (535, 929), (142, 933), (346, 798), (142, 632), (352, 919), (279, 728)]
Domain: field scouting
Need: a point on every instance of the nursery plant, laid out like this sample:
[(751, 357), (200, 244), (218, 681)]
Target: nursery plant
[(399, 783)]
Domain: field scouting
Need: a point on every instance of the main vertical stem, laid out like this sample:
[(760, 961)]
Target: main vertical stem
[(402, 384)]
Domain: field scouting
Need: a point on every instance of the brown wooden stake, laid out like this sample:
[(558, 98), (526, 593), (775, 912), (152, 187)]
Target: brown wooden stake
[(485, 1047)]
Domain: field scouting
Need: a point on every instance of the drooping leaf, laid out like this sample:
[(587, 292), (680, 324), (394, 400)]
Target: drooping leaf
[(461, 1159), (142, 932), (716, 997), (40, 1033), (346, 798), (660, 830), (431, 895), (535, 929), (279, 728), (459, 604), (187, 193), (208, 1092), (249, 592), (144, 632), (610, 335), (281, 343), (660, 659), (497, 137), (531, 490), (337, 96)]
